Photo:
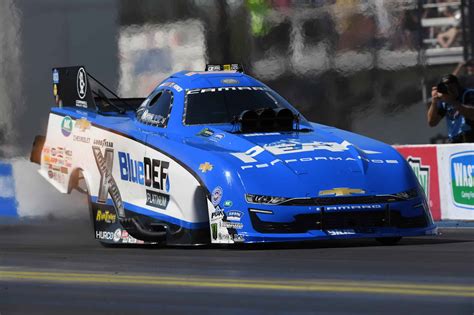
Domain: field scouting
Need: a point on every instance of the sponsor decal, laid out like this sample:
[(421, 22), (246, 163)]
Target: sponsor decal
[(351, 207), (234, 215), (82, 124), (105, 216), (117, 235), (104, 235), (217, 137), (341, 192), (218, 214), (232, 225), (82, 139), (205, 167), (81, 83), (216, 195), (340, 232), (238, 238), (228, 203), (293, 146), (80, 103), (226, 237), (149, 172), (230, 81), (422, 172), (261, 134), (226, 88), (206, 132), (216, 219), (55, 76), (103, 143), (66, 126), (172, 85), (214, 231), (462, 179), (156, 199), (108, 185)]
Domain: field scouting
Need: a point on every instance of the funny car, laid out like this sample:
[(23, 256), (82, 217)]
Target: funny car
[(217, 156)]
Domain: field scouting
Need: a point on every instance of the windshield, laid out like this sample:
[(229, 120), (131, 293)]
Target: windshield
[(221, 105)]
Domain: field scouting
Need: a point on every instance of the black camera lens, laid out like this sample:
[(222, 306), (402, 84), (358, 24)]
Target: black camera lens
[(442, 88)]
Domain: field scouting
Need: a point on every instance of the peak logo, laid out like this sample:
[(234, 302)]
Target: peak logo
[(293, 146), (462, 181), (149, 172), (422, 172)]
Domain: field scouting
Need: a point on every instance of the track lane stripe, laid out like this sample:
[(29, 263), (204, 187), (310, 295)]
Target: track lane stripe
[(279, 285)]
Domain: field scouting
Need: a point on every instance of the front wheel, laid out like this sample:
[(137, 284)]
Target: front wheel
[(388, 241)]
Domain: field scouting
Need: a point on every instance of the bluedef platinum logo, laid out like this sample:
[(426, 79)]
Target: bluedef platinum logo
[(157, 199), (149, 172)]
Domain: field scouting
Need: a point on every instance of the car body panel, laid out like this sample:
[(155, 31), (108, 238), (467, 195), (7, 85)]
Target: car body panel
[(199, 175)]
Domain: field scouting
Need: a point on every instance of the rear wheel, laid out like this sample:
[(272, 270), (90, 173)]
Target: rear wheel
[(388, 240)]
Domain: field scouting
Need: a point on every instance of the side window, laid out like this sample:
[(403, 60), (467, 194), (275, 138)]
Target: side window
[(156, 111)]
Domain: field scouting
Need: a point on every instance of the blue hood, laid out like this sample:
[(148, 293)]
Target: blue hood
[(302, 164)]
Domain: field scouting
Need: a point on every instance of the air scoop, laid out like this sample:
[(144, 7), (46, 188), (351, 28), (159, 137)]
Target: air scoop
[(267, 120)]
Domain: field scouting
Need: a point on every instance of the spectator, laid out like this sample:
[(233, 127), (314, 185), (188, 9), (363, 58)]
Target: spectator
[(446, 39), (451, 100), (466, 79)]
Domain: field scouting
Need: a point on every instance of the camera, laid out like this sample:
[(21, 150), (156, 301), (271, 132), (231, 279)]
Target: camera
[(442, 88)]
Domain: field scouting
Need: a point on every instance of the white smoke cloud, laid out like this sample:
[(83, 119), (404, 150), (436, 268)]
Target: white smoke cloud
[(10, 71)]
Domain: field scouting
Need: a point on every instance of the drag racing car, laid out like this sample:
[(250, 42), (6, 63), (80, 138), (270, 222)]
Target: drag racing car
[(216, 156)]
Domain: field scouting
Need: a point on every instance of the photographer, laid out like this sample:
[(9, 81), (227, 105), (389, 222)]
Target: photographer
[(451, 100)]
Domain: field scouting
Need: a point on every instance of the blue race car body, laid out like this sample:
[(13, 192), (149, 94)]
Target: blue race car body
[(213, 157)]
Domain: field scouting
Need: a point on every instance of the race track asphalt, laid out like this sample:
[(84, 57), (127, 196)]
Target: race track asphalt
[(58, 268)]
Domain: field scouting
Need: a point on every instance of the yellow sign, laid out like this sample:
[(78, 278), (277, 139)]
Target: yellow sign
[(204, 167), (105, 216), (83, 124), (341, 191)]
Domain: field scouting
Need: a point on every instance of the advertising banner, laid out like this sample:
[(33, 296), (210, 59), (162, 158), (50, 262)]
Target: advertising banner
[(424, 162), (456, 175)]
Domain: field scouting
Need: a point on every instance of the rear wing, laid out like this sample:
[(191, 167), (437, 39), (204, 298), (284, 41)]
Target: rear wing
[(72, 88)]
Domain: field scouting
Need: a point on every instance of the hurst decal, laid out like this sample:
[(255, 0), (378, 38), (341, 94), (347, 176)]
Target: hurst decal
[(107, 182)]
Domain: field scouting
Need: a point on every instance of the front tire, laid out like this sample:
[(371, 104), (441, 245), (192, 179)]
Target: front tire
[(388, 241)]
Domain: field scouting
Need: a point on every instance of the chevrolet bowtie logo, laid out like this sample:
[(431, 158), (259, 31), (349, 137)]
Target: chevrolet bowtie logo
[(83, 124), (341, 192), (204, 167)]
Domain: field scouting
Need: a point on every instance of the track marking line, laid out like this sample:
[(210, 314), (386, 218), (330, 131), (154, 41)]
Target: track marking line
[(336, 286)]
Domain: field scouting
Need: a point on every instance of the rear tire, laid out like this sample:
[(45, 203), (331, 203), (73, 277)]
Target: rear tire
[(388, 241)]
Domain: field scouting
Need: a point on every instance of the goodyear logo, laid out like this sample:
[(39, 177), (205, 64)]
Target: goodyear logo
[(462, 173), (105, 216)]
